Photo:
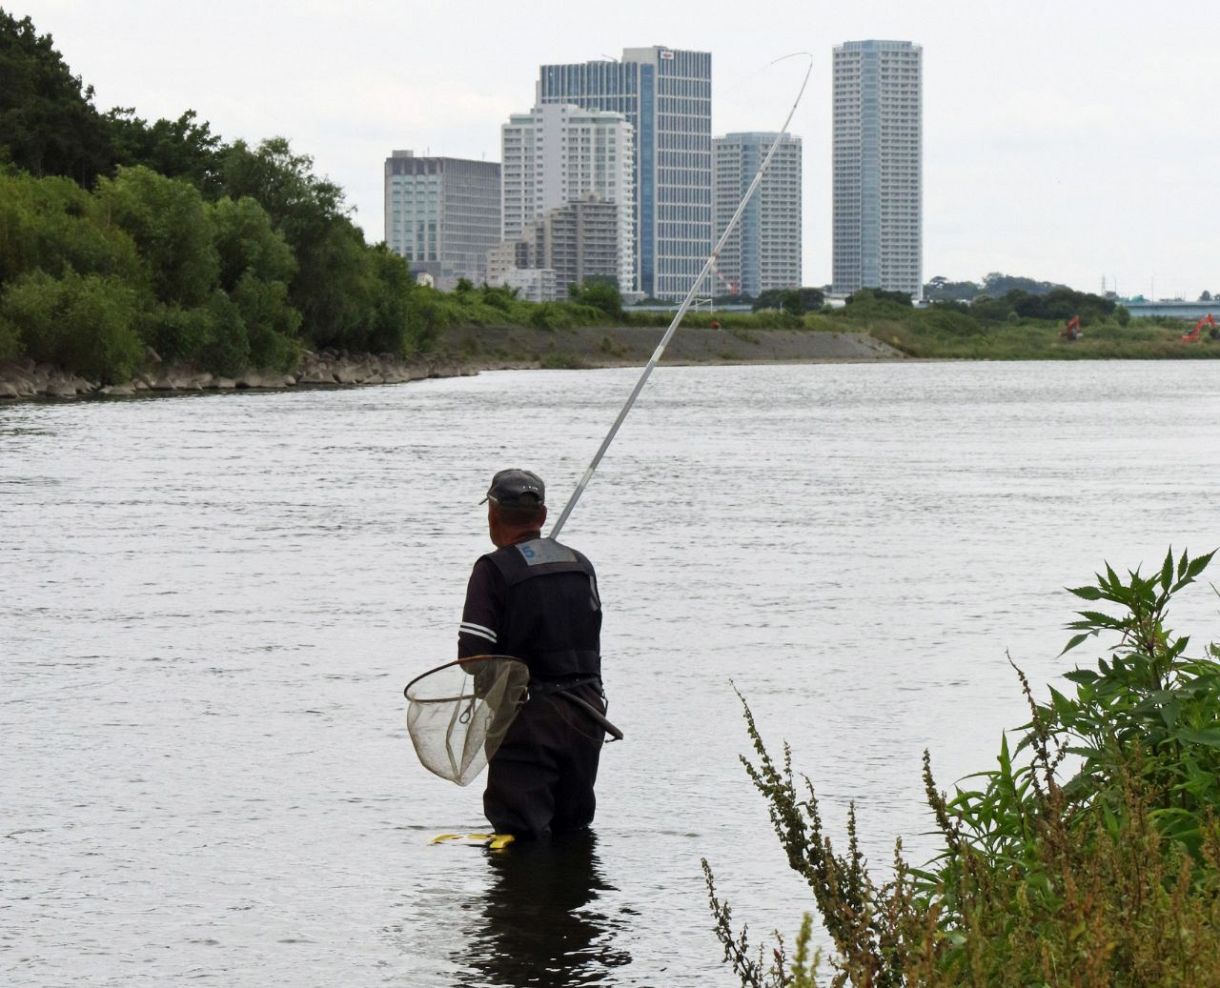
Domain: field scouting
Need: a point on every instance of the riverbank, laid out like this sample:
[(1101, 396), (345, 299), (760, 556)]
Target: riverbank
[(465, 351)]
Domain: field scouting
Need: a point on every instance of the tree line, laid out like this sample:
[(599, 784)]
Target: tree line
[(117, 234)]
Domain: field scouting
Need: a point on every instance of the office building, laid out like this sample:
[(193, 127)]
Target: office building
[(764, 250), (442, 215), (666, 96), (878, 168), (559, 154)]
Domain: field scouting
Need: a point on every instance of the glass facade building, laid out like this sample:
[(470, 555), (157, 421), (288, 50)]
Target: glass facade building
[(764, 251), (442, 215), (878, 167), (666, 95)]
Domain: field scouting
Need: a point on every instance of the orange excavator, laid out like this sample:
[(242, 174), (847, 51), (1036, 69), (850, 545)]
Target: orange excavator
[(1195, 334), (1072, 331)]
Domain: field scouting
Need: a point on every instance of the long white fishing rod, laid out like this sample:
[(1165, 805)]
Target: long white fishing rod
[(686, 302)]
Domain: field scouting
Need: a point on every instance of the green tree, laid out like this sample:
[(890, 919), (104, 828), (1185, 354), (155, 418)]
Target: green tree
[(247, 242), (600, 293), (795, 301), (50, 224), (171, 228), (867, 296), (184, 148), (48, 124), (941, 289), (996, 284), (83, 323), (336, 281)]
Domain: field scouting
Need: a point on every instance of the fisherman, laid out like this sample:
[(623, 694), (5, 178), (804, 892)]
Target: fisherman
[(536, 600)]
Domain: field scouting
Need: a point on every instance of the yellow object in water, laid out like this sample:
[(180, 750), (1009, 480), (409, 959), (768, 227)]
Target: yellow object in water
[(493, 842)]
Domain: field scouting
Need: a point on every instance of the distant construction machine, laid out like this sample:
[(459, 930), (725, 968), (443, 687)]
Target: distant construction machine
[(1072, 331), (1196, 334)]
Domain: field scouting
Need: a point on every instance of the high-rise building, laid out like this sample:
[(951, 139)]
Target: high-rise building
[(559, 154), (764, 251), (565, 246), (666, 95), (442, 215), (878, 167)]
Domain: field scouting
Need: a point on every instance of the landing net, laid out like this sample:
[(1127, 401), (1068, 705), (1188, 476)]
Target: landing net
[(457, 714)]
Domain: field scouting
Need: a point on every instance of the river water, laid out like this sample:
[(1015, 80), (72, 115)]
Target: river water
[(210, 605)]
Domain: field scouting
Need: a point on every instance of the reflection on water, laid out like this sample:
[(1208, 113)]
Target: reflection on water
[(541, 920)]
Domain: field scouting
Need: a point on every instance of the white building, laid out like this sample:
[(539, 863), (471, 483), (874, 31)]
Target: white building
[(559, 154), (666, 95), (442, 215), (878, 167), (764, 251)]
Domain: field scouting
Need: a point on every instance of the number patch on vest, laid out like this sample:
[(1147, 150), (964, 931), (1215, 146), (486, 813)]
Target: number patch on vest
[(541, 551)]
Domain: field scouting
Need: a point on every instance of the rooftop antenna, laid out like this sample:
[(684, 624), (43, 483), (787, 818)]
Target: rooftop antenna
[(686, 302)]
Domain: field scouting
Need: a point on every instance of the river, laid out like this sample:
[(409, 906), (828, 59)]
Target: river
[(211, 603)]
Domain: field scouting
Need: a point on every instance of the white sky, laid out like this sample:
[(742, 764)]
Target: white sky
[(1064, 141)]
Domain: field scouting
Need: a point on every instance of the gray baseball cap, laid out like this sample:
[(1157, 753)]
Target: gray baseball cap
[(516, 489)]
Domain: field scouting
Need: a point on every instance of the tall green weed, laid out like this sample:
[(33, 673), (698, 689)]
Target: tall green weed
[(1090, 855)]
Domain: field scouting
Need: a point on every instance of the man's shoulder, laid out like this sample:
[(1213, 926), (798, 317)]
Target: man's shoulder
[(536, 556)]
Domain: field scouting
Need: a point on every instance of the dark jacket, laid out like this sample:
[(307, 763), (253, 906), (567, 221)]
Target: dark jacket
[(537, 601)]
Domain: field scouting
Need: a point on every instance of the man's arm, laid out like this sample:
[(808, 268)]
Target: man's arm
[(483, 613)]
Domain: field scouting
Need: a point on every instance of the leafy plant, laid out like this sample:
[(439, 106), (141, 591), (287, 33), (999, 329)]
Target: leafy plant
[(1109, 878)]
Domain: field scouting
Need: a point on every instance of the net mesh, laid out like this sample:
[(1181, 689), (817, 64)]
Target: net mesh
[(457, 715)]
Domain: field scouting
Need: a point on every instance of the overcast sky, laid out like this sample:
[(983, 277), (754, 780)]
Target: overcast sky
[(1067, 141)]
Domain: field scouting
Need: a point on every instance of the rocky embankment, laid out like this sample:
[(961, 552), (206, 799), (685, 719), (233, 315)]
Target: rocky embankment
[(468, 350), (25, 379)]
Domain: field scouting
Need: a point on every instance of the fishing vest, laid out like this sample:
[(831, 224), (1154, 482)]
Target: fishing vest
[(553, 615)]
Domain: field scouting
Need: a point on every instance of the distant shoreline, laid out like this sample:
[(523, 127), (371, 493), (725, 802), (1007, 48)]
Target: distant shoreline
[(467, 351)]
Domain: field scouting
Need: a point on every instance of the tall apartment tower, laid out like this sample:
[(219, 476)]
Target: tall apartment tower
[(666, 96), (558, 154), (878, 166), (764, 251), (442, 215)]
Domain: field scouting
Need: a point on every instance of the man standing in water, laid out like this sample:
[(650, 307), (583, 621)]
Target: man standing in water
[(536, 600)]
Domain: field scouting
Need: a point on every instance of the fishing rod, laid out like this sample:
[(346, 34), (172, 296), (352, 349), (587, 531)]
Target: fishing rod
[(686, 302)]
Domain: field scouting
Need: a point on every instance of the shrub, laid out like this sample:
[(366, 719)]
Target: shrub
[(10, 341), (1109, 878), (82, 323)]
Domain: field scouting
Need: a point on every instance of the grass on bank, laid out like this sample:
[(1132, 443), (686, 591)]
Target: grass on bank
[(1088, 856)]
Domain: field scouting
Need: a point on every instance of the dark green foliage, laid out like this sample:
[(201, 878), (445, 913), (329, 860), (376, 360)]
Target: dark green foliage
[(1112, 878), (941, 289), (794, 301), (389, 326), (336, 281), (1060, 304), (996, 284), (247, 242), (171, 227), (176, 335), (599, 293), (946, 319), (48, 124), (499, 297), (874, 296), (82, 322), (271, 323), (226, 348), (10, 340), (181, 148), (50, 225)]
